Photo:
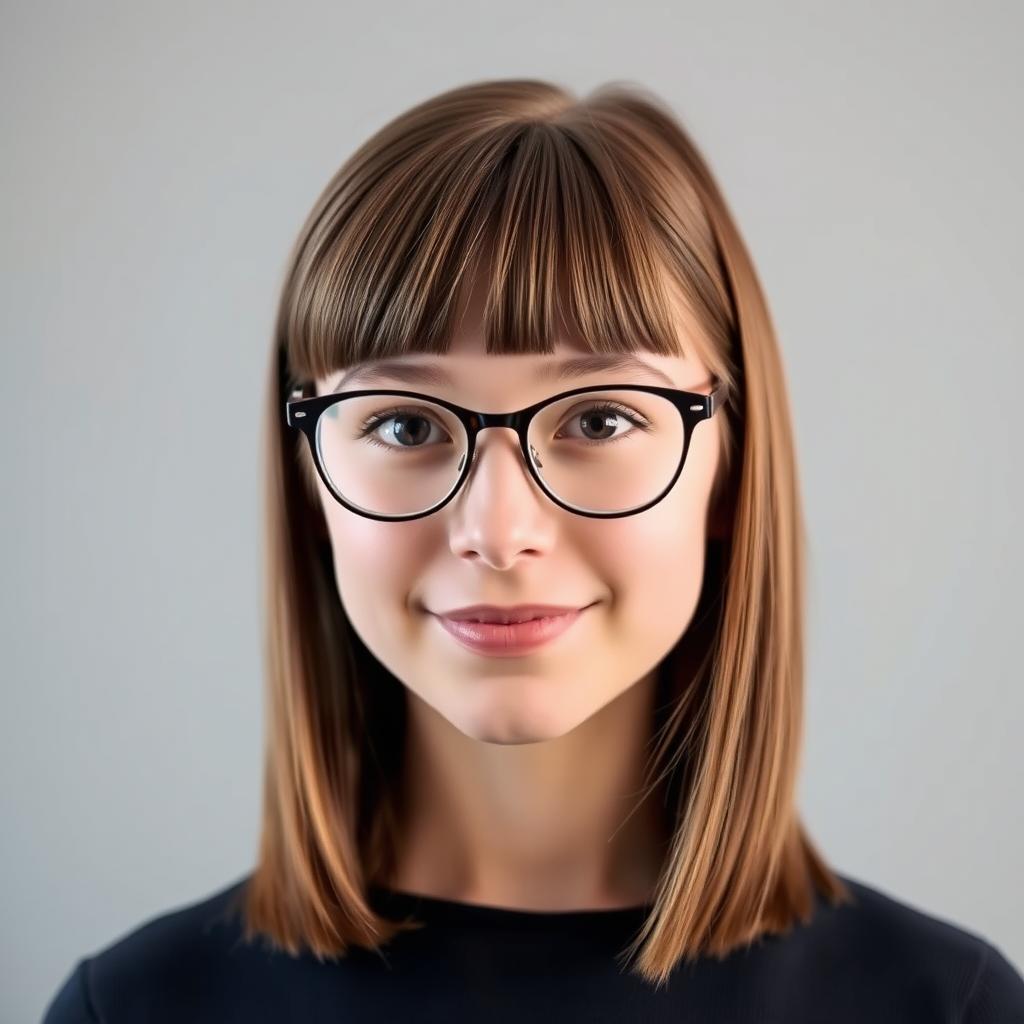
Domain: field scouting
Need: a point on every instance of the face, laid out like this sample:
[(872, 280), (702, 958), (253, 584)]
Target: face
[(502, 541)]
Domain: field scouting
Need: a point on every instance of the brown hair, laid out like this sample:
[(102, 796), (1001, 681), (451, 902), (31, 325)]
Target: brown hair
[(600, 210)]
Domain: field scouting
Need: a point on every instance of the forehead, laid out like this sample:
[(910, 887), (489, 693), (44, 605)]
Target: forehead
[(467, 365), (471, 366)]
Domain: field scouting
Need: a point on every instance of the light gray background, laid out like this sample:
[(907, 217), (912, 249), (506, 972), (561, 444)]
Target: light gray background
[(158, 161)]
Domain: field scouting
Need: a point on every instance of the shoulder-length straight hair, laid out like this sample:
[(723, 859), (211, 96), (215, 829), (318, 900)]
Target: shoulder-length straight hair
[(603, 211)]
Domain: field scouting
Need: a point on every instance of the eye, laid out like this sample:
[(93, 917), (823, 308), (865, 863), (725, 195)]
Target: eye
[(607, 415), (411, 427)]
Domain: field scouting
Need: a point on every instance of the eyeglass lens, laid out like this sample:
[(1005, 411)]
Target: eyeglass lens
[(601, 451)]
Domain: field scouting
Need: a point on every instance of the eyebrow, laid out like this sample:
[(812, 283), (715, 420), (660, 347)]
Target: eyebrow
[(566, 369)]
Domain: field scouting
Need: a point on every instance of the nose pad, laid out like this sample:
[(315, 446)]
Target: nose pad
[(476, 454)]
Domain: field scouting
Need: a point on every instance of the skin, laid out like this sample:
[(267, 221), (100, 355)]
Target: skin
[(522, 772)]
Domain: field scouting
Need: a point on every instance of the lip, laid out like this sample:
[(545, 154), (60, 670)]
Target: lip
[(511, 613), (509, 639)]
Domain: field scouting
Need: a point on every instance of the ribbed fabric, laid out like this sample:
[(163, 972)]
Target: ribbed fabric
[(878, 960)]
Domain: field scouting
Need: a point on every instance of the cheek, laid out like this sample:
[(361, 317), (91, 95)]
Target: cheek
[(653, 563), (373, 560), (655, 571)]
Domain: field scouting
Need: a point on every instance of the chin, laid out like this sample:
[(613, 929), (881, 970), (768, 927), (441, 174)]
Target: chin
[(512, 725)]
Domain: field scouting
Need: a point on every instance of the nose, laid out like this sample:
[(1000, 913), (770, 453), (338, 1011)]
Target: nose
[(505, 459), (499, 511)]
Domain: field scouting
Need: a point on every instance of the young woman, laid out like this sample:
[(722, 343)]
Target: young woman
[(534, 613)]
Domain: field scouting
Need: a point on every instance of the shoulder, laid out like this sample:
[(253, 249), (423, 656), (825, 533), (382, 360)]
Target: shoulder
[(885, 945), (159, 967)]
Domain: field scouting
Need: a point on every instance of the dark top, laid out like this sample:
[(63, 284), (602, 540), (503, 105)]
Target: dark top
[(875, 961)]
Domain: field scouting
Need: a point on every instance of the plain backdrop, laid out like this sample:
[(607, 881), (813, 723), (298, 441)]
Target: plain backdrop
[(158, 161)]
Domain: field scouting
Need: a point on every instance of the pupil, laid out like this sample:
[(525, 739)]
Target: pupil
[(402, 431), (599, 420)]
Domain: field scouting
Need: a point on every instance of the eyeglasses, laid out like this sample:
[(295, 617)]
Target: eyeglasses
[(399, 455)]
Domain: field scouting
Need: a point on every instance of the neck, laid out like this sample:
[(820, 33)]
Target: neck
[(559, 824)]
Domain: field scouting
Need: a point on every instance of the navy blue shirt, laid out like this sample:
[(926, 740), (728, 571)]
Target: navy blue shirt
[(875, 961)]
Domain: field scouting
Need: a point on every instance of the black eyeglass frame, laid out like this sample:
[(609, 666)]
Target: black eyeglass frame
[(304, 414)]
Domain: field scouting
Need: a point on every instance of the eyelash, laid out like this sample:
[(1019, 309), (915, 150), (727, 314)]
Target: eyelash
[(372, 422)]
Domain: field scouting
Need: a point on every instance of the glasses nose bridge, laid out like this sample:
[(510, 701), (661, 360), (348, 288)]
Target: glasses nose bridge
[(514, 421)]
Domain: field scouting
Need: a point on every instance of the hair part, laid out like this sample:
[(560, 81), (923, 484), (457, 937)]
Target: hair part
[(598, 215)]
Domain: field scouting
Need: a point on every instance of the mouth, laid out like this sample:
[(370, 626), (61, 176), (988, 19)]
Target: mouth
[(510, 638), (510, 615)]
